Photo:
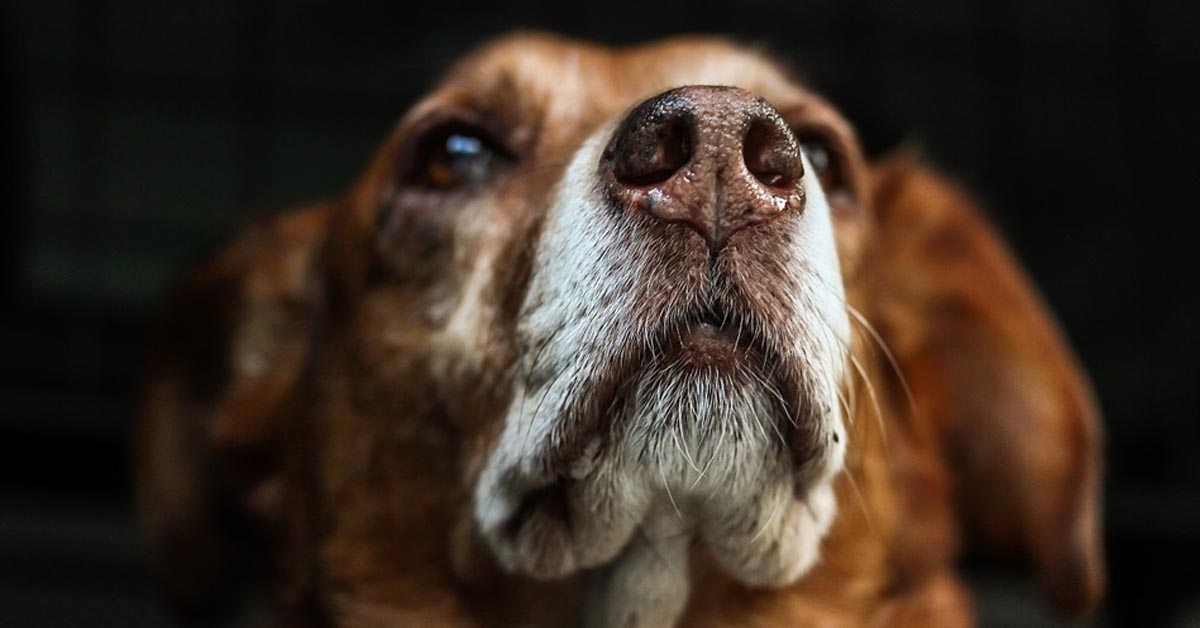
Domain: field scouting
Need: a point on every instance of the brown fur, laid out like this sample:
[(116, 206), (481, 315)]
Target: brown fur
[(302, 415)]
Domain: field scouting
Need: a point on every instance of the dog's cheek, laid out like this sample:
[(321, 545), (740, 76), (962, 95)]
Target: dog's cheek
[(473, 347), (389, 351)]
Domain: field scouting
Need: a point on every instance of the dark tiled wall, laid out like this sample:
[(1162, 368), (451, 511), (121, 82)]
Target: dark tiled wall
[(145, 132)]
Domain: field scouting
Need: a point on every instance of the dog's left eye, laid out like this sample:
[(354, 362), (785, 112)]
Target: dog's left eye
[(824, 161), (457, 157), (818, 155)]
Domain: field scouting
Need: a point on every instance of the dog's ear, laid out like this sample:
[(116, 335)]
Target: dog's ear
[(224, 362), (994, 378)]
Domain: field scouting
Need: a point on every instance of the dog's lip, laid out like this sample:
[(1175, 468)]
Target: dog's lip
[(714, 332), (704, 339), (710, 323), (706, 343)]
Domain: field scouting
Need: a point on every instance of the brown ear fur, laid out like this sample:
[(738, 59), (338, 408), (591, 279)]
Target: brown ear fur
[(993, 375), (229, 348)]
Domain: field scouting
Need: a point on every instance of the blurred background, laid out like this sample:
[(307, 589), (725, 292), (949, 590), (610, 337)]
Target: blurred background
[(140, 133)]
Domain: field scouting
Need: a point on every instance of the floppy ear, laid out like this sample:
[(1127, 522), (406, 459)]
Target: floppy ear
[(224, 361), (990, 370)]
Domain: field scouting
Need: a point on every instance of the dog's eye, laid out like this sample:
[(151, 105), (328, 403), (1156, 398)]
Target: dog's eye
[(819, 156), (824, 159), (457, 157)]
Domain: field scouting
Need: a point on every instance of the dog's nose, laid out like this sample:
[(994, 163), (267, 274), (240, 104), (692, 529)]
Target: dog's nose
[(716, 159)]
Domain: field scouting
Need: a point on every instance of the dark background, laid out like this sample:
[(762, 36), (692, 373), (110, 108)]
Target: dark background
[(141, 133)]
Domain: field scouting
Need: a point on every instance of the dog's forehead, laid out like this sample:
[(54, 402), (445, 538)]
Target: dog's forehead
[(564, 81)]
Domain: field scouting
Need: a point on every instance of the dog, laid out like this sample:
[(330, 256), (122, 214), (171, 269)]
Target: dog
[(617, 337)]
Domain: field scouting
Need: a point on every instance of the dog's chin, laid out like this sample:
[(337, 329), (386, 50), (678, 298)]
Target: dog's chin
[(701, 431)]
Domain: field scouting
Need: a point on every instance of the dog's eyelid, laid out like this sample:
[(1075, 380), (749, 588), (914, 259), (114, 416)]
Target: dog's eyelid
[(819, 135), (459, 137)]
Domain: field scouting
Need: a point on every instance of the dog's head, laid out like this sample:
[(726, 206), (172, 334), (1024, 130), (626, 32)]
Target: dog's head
[(584, 296)]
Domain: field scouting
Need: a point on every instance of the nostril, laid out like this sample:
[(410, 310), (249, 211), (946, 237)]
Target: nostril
[(771, 154), (653, 153)]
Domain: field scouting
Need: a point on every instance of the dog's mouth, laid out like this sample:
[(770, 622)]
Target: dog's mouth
[(702, 407), (709, 343), (713, 415), (710, 339)]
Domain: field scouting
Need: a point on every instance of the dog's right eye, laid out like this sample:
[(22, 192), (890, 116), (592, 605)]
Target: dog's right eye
[(457, 156), (443, 165)]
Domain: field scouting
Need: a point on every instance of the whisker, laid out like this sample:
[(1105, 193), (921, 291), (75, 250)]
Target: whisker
[(862, 373), (667, 486), (537, 410), (862, 503), (774, 391), (708, 464), (887, 352), (874, 402), (771, 389), (875, 336), (687, 456), (532, 367), (775, 512), (847, 408)]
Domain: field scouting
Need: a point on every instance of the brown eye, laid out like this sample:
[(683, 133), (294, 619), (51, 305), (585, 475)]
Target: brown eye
[(457, 157)]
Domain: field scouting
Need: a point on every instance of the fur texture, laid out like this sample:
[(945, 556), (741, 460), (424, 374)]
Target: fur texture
[(519, 401)]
